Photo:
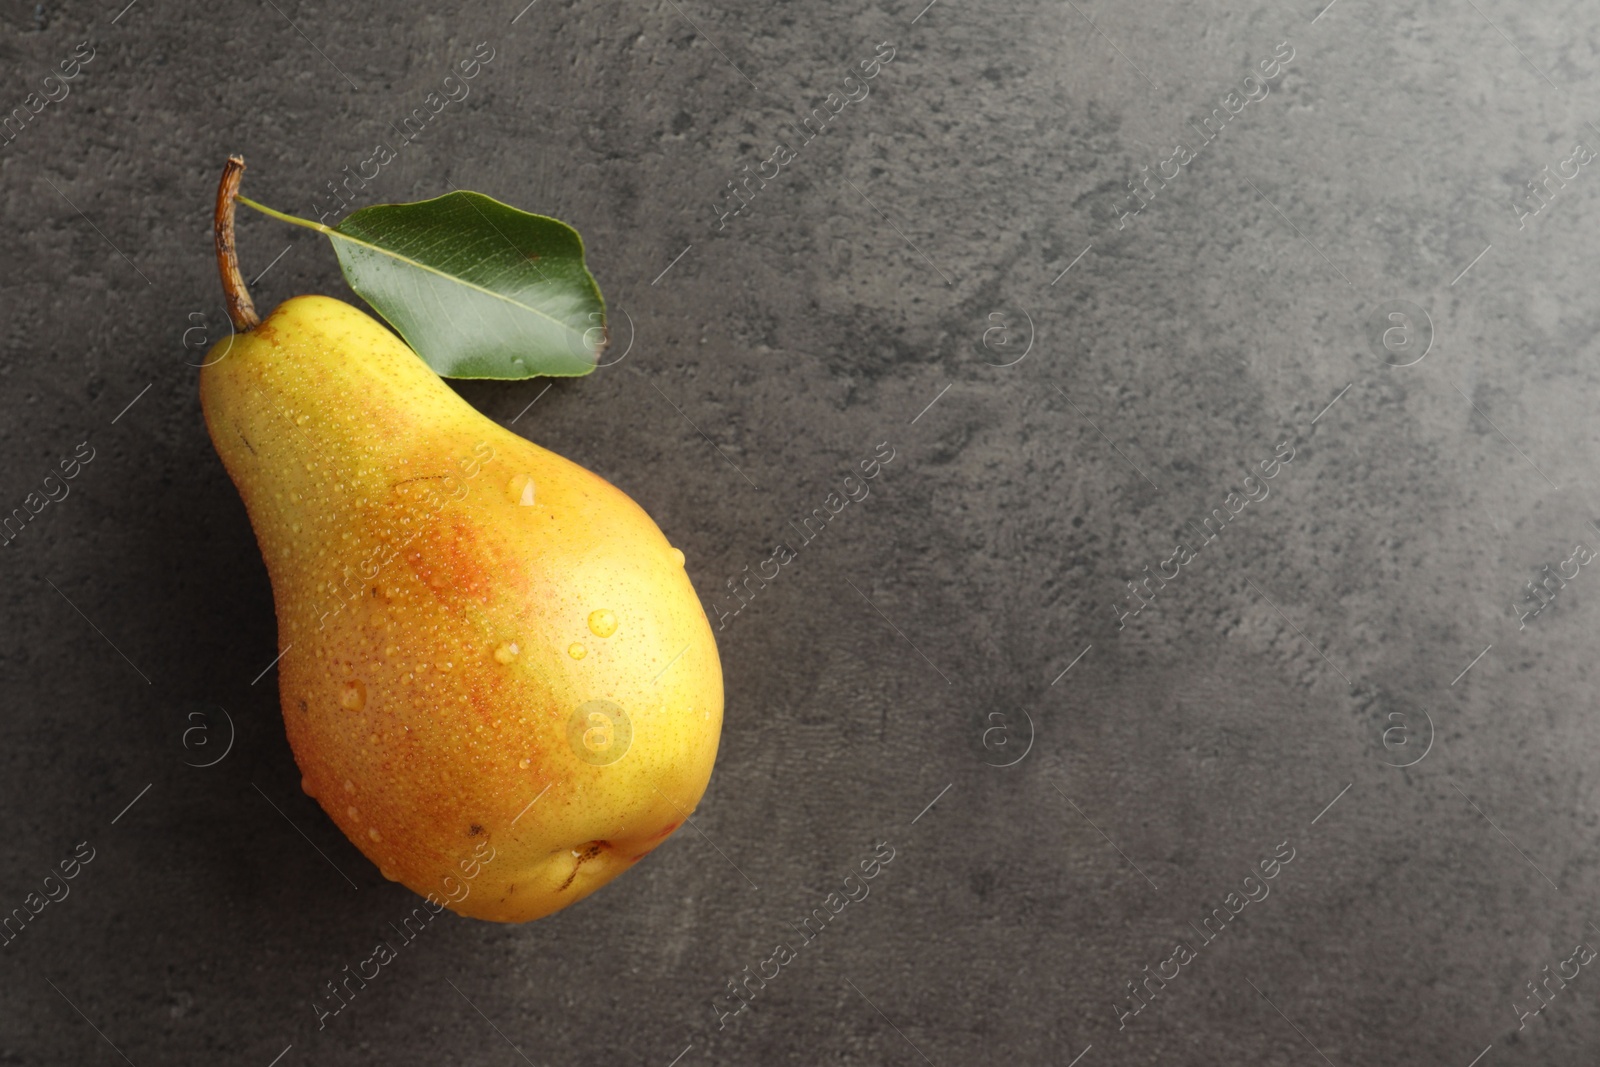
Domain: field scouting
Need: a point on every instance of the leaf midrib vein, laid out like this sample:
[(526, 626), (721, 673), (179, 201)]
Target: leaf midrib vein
[(448, 277)]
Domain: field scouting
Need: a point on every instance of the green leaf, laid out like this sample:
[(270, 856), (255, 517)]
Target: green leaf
[(477, 288)]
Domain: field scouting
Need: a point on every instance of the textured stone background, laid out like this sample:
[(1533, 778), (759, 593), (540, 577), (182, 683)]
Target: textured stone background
[(855, 290)]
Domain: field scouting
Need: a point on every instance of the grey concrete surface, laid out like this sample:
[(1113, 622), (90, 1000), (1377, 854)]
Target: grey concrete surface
[(954, 267)]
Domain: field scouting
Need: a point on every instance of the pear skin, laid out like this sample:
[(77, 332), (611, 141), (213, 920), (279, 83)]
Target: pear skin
[(496, 676)]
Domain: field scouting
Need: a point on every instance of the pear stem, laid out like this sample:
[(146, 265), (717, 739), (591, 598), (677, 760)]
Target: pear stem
[(241, 309)]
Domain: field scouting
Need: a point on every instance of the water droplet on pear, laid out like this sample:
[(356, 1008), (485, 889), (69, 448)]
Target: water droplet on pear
[(353, 696)]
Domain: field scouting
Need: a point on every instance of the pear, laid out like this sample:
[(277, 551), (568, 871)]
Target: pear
[(495, 676)]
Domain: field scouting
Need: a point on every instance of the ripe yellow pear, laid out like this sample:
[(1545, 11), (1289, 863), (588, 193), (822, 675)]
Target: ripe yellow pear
[(496, 676)]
